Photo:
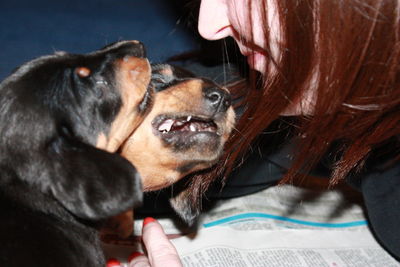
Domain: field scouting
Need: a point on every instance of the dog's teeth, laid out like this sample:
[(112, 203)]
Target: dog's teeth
[(188, 118), (192, 128), (166, 126), (179, 123)]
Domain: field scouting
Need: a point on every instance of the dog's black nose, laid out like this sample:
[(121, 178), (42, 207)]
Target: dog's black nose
[(217, 99)]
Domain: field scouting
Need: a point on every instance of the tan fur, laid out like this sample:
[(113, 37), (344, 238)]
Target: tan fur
[(122, 225), (158, 164), (135, 76)]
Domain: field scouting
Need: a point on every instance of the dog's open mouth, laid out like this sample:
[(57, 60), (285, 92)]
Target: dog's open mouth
[(187, 124)]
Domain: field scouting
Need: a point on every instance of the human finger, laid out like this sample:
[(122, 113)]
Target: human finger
[(160, 251), (138, 259)]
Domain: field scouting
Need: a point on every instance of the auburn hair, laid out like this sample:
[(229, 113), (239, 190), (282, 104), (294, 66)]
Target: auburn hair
[(349, 50)]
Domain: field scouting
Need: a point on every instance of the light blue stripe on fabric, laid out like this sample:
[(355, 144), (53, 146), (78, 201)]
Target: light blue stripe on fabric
[(285, 219)]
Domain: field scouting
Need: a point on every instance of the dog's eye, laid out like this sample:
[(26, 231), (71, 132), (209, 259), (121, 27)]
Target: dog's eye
[(82, 72)]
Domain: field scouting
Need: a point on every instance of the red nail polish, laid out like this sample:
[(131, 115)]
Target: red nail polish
[(134, 255), (113, 263), (148, 220)]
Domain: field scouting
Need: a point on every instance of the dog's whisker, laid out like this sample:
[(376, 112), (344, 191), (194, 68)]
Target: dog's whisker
[(172, 190), (225, 59)]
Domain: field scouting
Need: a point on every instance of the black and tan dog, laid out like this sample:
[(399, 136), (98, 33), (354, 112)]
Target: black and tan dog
[(185, 131), (62, 117)]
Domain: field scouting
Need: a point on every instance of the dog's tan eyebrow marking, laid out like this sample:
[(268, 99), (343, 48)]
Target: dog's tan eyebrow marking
[(83, 72)]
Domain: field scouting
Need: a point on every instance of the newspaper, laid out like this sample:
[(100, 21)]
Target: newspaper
[(280, 226), (292, 248)]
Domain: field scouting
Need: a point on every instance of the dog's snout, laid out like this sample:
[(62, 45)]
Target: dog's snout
[(217, 99)]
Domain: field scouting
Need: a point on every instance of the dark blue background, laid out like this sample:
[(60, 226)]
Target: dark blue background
[(31, 28)]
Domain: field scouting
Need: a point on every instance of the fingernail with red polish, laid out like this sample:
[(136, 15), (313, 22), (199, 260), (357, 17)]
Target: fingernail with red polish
[(148, 220), (134, 255), (113, 263)]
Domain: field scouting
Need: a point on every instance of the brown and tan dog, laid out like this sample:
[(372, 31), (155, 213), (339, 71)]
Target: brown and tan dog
[(185, 131)]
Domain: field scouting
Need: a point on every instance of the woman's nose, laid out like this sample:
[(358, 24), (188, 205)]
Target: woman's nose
[(214, 22)]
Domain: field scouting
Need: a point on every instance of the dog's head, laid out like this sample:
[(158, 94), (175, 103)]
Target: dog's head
[(61, 118), (184, 132)]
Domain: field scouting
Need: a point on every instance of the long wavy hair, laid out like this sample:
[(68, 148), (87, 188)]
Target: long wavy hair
[(349, 51)]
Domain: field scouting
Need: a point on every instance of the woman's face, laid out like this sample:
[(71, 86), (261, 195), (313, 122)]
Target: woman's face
[(243, 20), (222, 18)]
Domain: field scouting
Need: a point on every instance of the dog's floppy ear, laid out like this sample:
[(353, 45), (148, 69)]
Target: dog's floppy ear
[(89, 182), (92, 183)]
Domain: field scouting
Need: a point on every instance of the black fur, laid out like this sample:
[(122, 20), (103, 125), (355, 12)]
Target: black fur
[(55, 185), (165, 76)]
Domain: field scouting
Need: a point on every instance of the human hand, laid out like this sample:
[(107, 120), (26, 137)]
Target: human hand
[(160, 251)]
